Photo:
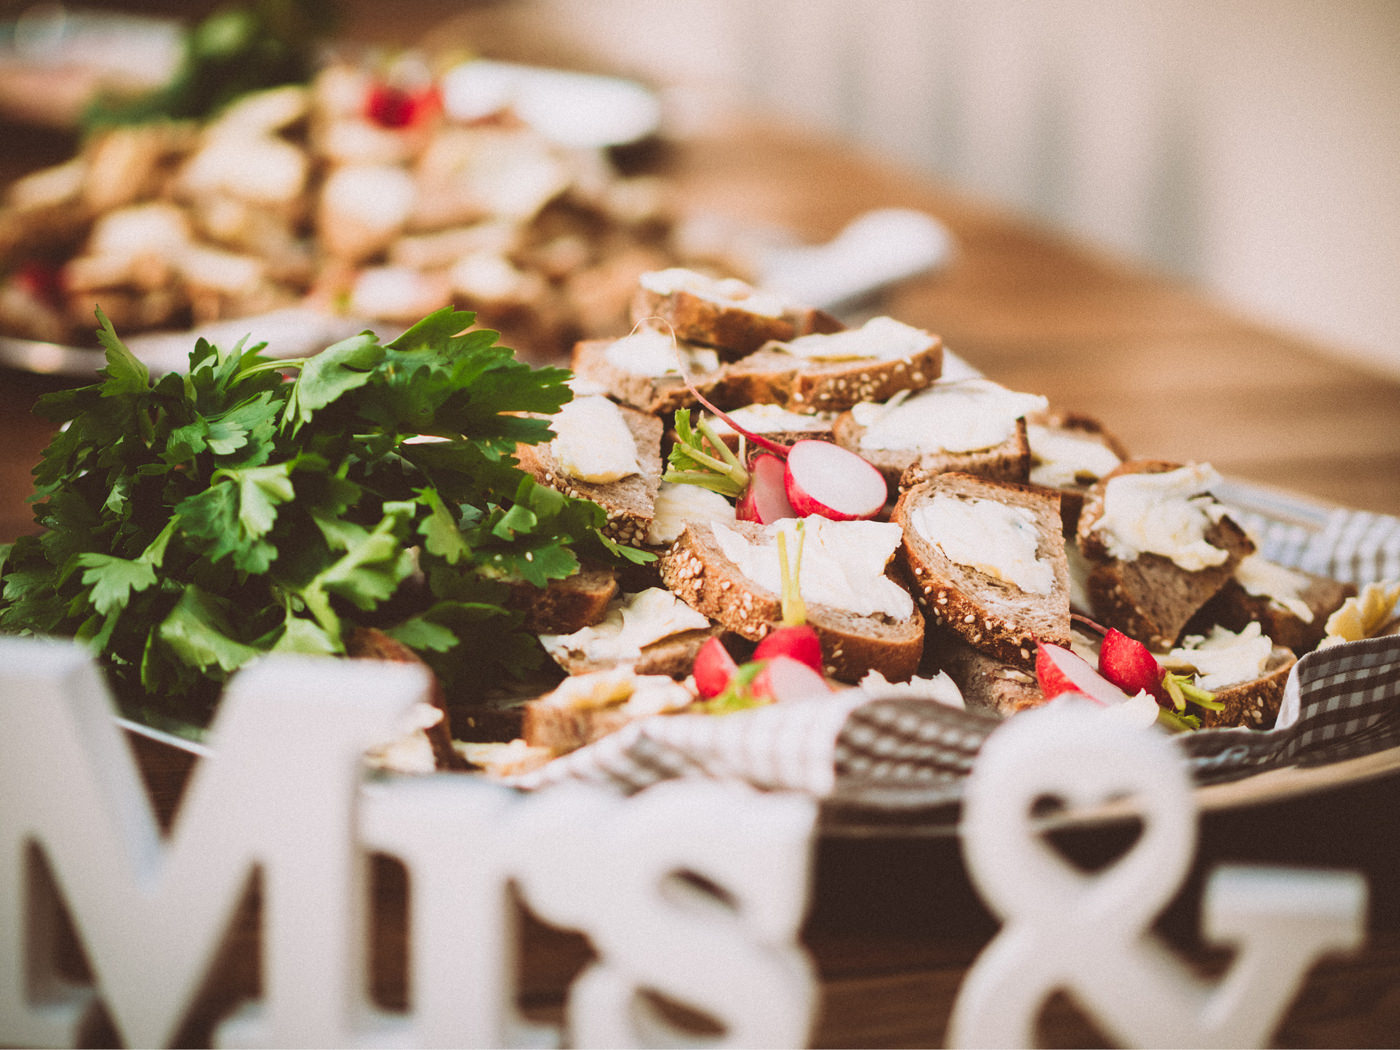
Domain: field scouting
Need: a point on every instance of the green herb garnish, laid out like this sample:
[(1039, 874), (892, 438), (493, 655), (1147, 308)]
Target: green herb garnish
[(195, 522), (699, 456)]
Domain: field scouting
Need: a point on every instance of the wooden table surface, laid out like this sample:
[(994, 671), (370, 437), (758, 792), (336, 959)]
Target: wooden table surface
[(894, 923)]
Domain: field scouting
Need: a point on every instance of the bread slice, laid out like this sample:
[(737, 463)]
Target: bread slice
[(567, 605), (697, 569), (971, 425), (1253, 704), (1148, 596), (953, 518), (629, 501), (651, 631), (985, 681), (1070, 451), (1249, 687), (772, 375), (725, 313), (1290, 605), (587, 707)]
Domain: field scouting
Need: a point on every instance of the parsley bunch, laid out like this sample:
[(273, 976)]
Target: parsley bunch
[(194, 523)]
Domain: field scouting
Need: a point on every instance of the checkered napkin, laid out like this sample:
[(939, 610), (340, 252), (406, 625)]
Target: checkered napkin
[(874, 760)]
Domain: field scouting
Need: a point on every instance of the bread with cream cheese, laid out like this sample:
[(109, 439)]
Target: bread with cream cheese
[(697, 570), (1292, 606), (629, 501), (1149, 596), (1000, 607), (727, 314)]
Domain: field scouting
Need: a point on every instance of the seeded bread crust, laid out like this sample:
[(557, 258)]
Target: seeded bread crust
[(1234, 607), (986, 683), (770, 376), (730, 329), (989, 614), (1254, 704), (1151, 598), (698, 572), (630, 502)]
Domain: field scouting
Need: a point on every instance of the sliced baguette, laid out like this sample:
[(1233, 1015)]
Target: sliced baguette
[(1150, 597), (985, 681), (697, 570), (651, 631), (985, 610), (587, 707), (629, 502), (1070, 451), (567, 605)]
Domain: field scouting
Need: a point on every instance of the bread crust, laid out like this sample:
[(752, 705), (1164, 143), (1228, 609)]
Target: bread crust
[(1253, 704), (989, 614), (728, 328), (1233, 608), (697, 571)]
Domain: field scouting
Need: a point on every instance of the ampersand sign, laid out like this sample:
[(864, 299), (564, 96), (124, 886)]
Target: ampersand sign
[(1088, 933)]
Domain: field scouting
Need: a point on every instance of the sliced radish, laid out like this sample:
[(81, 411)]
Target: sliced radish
[(765, 498), (824, 478), (796, 641), (713, 668), (783, 679), (1059, 671), (1129, 664)]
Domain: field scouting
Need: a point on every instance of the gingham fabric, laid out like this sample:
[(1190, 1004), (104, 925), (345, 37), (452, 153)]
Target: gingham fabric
[(874, 760)]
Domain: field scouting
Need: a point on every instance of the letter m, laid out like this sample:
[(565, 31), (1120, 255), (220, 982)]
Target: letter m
[(276, 797)]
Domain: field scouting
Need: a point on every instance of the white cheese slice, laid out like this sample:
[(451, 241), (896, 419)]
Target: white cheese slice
[(649, 352), (1223, 658), (677, 504), (994, 538), (592, 441), (879, 339), (842, 563), (1166, 513), (1062, 458), (961, 415), (633, 621)]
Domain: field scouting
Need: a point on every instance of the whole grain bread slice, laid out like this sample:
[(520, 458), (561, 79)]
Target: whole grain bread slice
[(725, 313), (1296, 619), (630, 501), (697, 570), (985, 681), (1071, 479), (975, 602), (768, 376), (1150, 597), (1253, 704)]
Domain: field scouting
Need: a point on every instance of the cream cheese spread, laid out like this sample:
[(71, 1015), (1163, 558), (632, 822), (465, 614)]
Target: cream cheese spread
[(843, 563), (620, 687), (1279, 584), (961, 415), (677, 504), (1166, 513), (772, 419), (1063, 458), (592, 441), (879, 339), (652, 353), (1223, 658), (632, 622), (939, 688), (994, 538)]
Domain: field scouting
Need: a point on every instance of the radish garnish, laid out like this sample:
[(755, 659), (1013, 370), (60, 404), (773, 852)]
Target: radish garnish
[(1060, 671), (714, 668), (826, 479), (784, 679), (794, 638), (764, 499)]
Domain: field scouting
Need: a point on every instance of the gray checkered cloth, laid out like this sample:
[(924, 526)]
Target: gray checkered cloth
[(873, 760)]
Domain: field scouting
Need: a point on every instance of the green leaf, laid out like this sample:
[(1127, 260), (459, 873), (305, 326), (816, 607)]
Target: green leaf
[(329, 375), (441, 536), (113, 580), (198, 630), (125, 373)]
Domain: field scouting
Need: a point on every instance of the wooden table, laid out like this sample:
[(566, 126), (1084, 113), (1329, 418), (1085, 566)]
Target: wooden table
[(894, 923)]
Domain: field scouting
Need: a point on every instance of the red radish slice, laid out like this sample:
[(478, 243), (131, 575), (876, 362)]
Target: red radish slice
[(796, 641), (1129, 664), (765, 499), (713, 668), (783, 679), (824, 478), (1058, 670)]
